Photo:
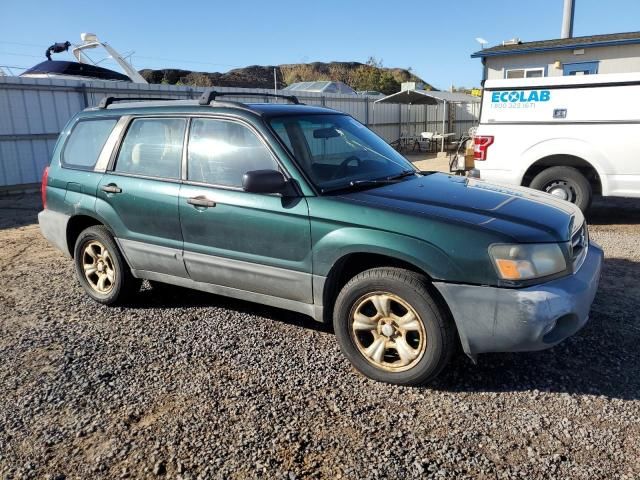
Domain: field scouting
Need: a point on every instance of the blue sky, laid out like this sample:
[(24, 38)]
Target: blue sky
[(434, 38)]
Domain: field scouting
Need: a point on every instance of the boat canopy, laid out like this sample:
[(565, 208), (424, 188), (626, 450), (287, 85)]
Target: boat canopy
[(74, 69)]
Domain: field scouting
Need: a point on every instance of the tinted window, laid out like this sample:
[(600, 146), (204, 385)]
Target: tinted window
[(221, 152), (153, 147), (86, 141)]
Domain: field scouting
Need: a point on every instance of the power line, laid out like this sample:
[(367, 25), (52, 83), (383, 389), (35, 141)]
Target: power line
[(22, 44), (163, 59), (186, 61), (20, 54)]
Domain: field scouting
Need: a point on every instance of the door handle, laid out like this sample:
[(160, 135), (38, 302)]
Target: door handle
[(111, 188), (201, 201)]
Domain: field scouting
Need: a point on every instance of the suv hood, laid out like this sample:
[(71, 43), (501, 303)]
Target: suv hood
[(521, 214)]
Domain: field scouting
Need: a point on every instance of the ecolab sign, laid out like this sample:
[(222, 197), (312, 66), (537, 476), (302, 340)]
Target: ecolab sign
[(513, 96)]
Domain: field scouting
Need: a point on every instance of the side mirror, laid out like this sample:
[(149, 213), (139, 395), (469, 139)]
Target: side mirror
[(264, 181)]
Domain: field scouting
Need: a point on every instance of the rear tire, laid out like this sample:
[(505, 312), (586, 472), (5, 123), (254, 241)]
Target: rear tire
[(566, 183), (391, 329), (101, 269)]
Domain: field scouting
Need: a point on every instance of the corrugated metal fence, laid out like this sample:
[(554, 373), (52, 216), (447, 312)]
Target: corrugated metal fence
[(34, 111)]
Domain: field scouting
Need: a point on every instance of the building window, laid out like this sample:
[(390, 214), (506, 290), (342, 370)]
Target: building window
[(525, 72), (580, 68)]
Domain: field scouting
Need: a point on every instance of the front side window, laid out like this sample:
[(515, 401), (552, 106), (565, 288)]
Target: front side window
[(220, 152), (336, 151), (153, 148), (86, 141)]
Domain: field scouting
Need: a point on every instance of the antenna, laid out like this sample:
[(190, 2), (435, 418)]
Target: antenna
[(481, 41)]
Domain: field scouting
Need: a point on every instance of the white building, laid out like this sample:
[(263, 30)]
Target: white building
[(611, 53)]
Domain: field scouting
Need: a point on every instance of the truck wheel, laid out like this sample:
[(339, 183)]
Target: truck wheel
[(567, 183), (100, 268), (390, 328)]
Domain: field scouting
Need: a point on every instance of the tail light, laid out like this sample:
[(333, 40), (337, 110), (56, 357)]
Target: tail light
[(480, 145), (43, 187)]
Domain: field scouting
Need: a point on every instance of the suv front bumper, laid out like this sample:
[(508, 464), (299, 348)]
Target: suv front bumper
[(491, 319)]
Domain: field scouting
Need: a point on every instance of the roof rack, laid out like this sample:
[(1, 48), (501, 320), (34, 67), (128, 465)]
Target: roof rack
[(209, 95), (106, 101)]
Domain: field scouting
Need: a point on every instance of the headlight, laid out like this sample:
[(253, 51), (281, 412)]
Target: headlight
[(527, 261)]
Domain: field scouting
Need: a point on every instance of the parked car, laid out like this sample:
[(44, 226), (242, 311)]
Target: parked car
[(572, 136), (306, 209)]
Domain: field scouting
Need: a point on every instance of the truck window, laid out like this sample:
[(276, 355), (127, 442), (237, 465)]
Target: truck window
[(85, 143)]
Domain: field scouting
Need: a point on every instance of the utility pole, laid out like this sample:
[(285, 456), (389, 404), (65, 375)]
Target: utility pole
[(567, 19), (275, 81)]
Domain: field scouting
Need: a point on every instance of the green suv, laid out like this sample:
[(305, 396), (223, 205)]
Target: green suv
[(306, 209)]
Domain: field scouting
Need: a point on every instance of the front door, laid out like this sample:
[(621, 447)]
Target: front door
[(251, 242), (139, 196)]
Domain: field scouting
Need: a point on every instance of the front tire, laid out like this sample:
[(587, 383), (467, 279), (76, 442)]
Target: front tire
[(101, 269), (391, 329), (567, 183)]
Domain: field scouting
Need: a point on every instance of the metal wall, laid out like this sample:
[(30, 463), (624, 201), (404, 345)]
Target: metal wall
[(34, 111)]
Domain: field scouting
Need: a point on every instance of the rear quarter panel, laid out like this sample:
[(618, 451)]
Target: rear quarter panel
[(70, 191)]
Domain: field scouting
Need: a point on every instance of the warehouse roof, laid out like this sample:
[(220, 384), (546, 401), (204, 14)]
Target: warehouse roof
[(610, 39), (321, 86)]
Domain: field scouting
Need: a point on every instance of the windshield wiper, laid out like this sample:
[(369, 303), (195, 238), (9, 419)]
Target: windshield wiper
[(357, 184), (402, 174), (371, 182)]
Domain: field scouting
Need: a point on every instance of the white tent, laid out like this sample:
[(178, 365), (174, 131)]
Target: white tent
[(429, 97), (321, 86)]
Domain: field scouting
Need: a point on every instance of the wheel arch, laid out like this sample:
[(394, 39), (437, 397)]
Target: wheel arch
[(76, 225), (569, 152), (353, 263), (565, 160)]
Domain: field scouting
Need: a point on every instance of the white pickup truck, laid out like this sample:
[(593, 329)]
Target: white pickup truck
[(573, 137)]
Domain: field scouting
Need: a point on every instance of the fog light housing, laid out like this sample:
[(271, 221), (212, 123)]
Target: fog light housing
[(550, 326)]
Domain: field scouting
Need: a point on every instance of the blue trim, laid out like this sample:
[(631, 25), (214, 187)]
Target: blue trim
[(605, 43), (592, 66)]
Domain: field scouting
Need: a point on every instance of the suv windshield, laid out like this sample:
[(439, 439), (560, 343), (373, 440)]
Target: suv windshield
[(338, 152)]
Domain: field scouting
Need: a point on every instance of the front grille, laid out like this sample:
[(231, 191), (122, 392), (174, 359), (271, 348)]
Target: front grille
[(579, 246)]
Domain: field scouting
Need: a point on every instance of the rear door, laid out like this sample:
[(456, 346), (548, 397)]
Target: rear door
[(252, 242), (138, 196)]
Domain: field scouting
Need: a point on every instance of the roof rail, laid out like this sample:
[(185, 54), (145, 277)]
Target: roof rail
[(106, 101), (209, 95)]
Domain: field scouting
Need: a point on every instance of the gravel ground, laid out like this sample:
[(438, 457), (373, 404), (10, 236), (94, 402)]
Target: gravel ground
[(190, 385)]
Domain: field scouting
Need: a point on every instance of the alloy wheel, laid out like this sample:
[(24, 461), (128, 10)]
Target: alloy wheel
[(387, 331), (98, 267)]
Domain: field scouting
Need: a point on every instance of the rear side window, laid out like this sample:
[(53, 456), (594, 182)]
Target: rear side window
[(220, 152), (86, 141), (153, 148)]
